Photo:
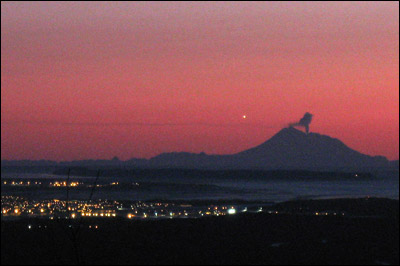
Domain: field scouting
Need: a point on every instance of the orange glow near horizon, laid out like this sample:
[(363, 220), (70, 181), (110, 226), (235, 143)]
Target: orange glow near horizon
[(82, 80)]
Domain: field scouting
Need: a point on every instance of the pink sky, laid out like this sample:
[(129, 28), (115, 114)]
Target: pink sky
[(133, 79)]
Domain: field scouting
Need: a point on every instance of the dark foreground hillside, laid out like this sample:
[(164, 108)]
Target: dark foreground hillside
[(248, 238)]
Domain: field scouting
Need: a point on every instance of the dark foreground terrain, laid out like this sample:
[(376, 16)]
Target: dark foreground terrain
[(363, 231)]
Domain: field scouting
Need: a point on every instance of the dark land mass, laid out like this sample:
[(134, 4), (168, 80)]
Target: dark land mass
[(214, 174), (289, 149), (364, 231)]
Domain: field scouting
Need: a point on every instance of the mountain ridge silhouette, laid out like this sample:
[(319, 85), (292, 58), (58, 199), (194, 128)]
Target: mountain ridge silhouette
[(289, 149)]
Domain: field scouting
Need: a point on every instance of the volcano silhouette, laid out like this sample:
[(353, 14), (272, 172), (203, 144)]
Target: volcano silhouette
[(288, 149)]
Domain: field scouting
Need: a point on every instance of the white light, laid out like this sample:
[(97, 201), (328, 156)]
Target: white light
[(244, 116), (231, 211)]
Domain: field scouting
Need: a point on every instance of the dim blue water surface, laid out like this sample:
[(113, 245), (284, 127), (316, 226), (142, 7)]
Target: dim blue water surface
[(385, 184)]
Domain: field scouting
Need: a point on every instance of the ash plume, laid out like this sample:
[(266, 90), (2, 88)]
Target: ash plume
[(304, 122)]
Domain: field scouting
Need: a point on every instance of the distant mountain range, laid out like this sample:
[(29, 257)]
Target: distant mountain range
[(289, 149)]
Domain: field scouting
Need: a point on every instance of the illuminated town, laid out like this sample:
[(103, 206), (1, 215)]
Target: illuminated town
[(56, 183), (15, 206)]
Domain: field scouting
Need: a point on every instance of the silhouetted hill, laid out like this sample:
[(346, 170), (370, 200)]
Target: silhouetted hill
[(395, 164), (294, 149), (289, 149)]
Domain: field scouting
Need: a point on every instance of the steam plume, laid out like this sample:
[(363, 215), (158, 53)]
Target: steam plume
[(304, 122)]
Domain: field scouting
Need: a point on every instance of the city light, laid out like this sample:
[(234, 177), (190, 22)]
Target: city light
[(107, 209)]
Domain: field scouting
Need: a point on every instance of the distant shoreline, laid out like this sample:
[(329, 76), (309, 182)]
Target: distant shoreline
[(193, 173)]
